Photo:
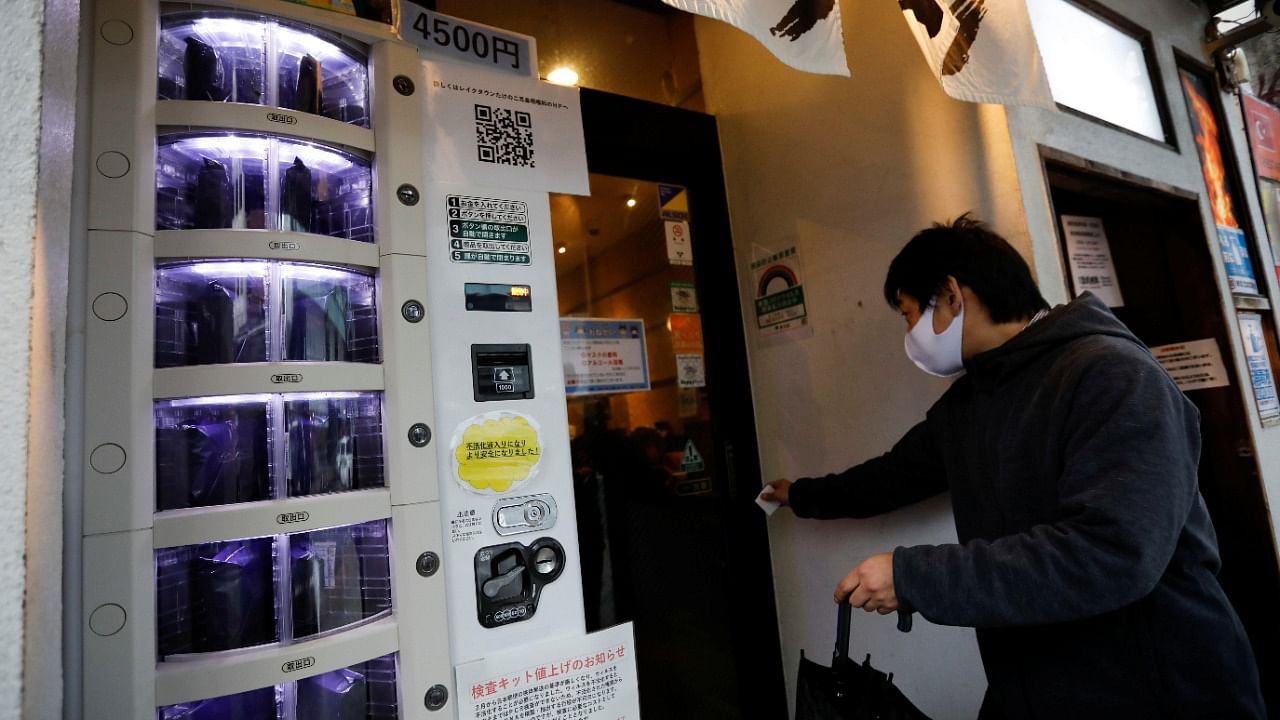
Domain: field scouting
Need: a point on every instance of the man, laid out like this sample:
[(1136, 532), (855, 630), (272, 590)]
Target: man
[(1086, 560)]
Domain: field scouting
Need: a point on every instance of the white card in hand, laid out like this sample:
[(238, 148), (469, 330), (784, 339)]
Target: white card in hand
[(768, 506)]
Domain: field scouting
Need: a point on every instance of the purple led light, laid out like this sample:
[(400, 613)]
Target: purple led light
[(293, 42), (222, 145), (309, 397), (231, 268), (216, 400), (316, 157), (300, 271)]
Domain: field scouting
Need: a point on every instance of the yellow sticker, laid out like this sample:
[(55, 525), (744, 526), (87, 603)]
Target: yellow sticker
[(494, 452)]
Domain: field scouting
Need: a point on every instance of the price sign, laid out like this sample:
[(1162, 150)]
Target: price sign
[(443, 37)]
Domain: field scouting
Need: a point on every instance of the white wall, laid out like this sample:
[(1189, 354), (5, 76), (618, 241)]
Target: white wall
[(20, 63), (849, 170), (1172, 25)]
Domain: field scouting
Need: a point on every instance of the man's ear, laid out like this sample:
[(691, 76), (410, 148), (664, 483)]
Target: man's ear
[(950, 294)]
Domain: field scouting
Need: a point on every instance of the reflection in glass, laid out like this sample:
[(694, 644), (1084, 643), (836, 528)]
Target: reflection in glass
[(339, 576), (212, 451), (211, 312), (215, 596)]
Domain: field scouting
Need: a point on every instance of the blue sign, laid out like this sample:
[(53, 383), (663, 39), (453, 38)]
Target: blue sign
[(1235, 255), (603, 355)]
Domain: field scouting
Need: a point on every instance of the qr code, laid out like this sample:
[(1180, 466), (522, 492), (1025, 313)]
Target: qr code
[(504, 136)]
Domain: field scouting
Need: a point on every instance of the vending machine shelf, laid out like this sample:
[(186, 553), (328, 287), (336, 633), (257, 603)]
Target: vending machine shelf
[(196, 678), (283, 245)]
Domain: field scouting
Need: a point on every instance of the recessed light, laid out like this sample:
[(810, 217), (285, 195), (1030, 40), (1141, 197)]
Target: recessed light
[(562, 249), (563, 76), (631, 202)]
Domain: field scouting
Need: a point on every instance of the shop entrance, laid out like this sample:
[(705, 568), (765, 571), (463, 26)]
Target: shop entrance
[(665, 451), (1164, 272)]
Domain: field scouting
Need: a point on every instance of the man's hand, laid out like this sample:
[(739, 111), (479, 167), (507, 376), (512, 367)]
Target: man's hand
[(778, 491), (870, 585)]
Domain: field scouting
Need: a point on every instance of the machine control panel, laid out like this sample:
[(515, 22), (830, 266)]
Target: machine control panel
[(502, 372), (510, 577), (498, 297)]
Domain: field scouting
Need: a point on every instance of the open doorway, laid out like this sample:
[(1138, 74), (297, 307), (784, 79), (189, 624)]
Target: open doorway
[(659, 404), (1164, 272)]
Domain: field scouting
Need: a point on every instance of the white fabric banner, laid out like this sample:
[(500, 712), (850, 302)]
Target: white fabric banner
[(804, 34), (981, 50)]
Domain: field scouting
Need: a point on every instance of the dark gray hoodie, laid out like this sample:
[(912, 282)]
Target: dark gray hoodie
[(1087, 560)]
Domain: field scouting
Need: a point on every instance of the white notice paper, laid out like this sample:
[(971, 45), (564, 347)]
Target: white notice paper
[(679, 251), (1194, 365), (484, 127), (1089, 256), (595, 674)]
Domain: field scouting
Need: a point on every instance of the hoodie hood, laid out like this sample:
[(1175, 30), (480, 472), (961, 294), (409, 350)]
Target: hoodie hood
[(1086, 315)]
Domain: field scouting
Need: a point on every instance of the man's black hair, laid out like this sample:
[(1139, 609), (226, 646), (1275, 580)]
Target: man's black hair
[(977, 258)]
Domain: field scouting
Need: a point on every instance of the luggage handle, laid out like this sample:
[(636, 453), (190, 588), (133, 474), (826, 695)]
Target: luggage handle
[(842, 628)]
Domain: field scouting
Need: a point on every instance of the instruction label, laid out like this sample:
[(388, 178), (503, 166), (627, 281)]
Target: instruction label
[(496, 452), (488, 230)]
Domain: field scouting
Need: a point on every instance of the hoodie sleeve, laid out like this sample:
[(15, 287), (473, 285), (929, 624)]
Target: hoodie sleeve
[(1131, 444), (909, 473)]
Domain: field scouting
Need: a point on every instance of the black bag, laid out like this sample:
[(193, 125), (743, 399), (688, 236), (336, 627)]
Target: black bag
[(847, 690)]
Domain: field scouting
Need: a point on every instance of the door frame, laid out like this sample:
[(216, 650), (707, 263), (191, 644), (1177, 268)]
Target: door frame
[(647, 141)]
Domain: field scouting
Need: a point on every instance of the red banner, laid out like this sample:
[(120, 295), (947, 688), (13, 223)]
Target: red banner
[(1263, 121)]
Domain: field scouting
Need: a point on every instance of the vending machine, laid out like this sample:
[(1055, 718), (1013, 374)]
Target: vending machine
[(262, 530)]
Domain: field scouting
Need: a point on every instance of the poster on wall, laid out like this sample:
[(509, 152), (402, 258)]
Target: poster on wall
[(1206, 124), (595, 675), (1195, 365), (1260, 372), (603, 355), (779, 295), (484, 127), (1089, 255), (1235, 257), (1263, 122)]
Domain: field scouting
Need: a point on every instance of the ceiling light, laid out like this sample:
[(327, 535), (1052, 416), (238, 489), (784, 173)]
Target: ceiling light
[(563, 76), (631, 202), (562, 249)]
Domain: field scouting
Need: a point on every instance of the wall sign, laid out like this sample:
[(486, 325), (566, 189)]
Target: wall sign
[(673, 202), (691, 370), (779, 294), (679, 242), (444, 37), (594, 674), (686, 332), (1235, 257), (602, 355), (1194, 365), (1089, 256), (684, 297), (1206, 124), (1260, 373), (1263, 122), (483, 127)]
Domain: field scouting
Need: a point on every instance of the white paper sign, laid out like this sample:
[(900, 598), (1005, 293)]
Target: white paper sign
[(692, 370), (1089, 256), (1194, 365), (484, 127), (679, 249), (538, 681)]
